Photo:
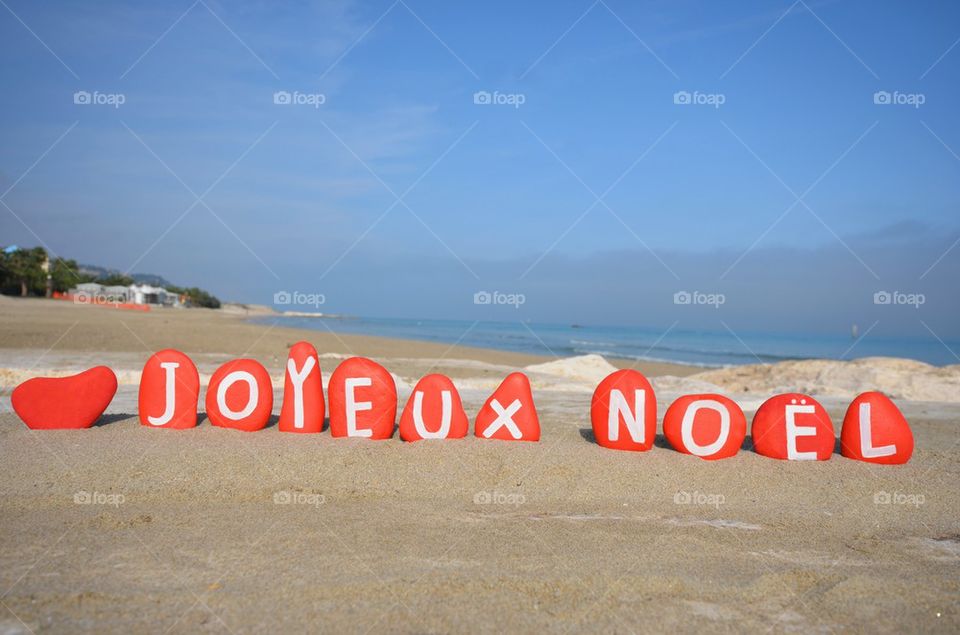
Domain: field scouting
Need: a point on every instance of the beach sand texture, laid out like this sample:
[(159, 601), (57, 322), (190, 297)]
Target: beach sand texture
[(224, 531)]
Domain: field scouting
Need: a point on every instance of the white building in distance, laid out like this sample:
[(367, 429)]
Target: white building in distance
[(147, 294), (134, 294)]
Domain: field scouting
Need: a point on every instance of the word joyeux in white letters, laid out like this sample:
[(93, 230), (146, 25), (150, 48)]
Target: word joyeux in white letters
[(363, 403)]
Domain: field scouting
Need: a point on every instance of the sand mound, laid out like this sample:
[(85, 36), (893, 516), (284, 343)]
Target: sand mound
[(583, 371), (898, 378), (231, 308), (668, 384)]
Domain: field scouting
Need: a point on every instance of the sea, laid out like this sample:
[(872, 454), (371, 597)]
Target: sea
[(695, 347)]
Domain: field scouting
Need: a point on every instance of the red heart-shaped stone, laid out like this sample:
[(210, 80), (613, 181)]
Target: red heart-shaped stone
[(77, 401), (623, 412), (434, 411), (793, 427), (509, 414), (169, 391), (874, 430), (240, 396), (303, 408), (709, 426), (363, 400)]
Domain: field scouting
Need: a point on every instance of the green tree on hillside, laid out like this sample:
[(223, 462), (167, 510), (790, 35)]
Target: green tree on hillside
[(66, 274), (196, 297), (23, 270), (115, 280)]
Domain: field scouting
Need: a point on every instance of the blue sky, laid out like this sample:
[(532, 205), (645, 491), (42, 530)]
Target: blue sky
[(598, 197)]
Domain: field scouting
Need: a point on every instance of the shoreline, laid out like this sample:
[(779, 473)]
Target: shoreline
[(38, 323), (684, 346), (619, 362), (38, 336)]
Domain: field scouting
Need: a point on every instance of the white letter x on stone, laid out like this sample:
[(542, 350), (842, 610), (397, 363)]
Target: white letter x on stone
[(504, 418)]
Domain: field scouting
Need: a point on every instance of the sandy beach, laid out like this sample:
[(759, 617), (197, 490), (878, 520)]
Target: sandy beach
[(125, 529)]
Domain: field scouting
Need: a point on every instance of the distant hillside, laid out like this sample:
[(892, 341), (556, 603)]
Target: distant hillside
[(140, 278), (151, 279), (196, 296), (31, 271)]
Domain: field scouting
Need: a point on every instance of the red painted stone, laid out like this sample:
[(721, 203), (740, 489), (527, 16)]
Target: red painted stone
[(812, 431), (708, 426), (169, 391), (434, 411), (509, 414), (53, 403), (615, 412), (303, 408), (874, 430), (240, 396), (363, 400)]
